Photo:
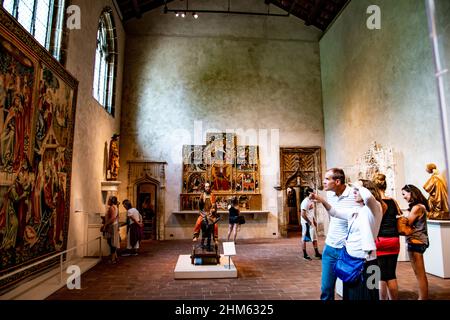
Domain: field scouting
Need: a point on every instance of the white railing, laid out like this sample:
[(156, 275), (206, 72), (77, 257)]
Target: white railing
[(61, 261)]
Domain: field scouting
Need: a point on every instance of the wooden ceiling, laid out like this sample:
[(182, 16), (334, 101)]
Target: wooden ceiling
[(319, 13)]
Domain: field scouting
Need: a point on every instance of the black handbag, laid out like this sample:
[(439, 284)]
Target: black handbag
[(241, 220)]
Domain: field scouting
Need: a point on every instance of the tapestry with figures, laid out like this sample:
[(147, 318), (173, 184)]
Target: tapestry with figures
[(37, 112)]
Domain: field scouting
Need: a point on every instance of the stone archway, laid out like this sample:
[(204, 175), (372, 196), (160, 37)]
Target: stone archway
[(151, 175)]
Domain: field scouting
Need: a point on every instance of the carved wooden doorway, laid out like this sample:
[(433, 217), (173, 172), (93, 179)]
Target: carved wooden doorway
[(148, 179), (299, 168), (147, 206)]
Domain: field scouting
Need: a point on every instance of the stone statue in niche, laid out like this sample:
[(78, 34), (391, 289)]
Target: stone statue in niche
[(436, 186), (113, 162)]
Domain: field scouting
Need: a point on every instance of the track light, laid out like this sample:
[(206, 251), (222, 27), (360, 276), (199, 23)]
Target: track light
[(183, 12)]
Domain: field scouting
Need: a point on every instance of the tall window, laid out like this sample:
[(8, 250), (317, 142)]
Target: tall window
[(105, 61), (42, 18)]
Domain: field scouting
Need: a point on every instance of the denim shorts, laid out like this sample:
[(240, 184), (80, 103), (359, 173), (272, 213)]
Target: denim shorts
[(420, 248)]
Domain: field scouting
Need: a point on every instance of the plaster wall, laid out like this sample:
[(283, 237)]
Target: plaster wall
[(379, 85), (256, 76), (443, 33), (93, 125)]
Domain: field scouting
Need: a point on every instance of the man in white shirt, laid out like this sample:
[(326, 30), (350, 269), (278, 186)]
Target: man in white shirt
[(309, 225), (340, 197)]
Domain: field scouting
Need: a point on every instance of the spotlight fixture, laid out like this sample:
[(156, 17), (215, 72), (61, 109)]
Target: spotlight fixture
[(183, 12)]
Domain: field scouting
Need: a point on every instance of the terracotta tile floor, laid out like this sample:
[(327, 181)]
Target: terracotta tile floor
[(267, 269)]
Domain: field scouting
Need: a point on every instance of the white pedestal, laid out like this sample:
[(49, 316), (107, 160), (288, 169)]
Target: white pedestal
[(186, 270), (403, 254), (437, 256)]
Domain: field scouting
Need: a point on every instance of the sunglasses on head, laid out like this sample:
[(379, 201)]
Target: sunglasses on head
[(407, 187)]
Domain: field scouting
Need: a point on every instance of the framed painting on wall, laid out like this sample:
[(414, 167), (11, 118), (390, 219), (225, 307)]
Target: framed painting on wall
[(247, 158), (231, 170), (221, 178), (195, 182), (246, 182), (37, 113)]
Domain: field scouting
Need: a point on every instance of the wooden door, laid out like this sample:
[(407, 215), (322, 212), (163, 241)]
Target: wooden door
[(300, 167), (146, 204)]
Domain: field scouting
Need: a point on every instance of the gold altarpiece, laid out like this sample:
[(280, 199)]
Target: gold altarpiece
[(231, 170)]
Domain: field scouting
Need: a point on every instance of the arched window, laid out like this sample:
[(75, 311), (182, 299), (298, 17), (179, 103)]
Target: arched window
[(42, 18), (105, 62)]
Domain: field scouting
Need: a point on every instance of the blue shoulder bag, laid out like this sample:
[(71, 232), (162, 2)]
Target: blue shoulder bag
[(349, 269)]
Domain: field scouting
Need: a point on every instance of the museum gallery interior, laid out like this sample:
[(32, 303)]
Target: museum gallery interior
[(157, 101)]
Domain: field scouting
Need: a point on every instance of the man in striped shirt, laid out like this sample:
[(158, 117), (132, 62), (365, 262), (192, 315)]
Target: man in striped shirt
[(340, 197)]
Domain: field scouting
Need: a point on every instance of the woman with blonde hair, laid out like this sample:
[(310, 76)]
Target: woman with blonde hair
[(388, 243)]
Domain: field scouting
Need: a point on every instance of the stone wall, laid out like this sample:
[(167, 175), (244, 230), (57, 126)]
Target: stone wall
[(379, 85), (248, 74)]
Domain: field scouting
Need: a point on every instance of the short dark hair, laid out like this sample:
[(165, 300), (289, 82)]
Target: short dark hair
[(114, 200), (338, 174), (127, 204), (308, 191)]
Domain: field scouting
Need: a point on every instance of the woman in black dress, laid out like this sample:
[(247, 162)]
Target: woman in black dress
[(233, 210)]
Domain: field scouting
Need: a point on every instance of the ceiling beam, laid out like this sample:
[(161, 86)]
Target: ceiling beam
[(312, 16), (136, 8), (148, 6)]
